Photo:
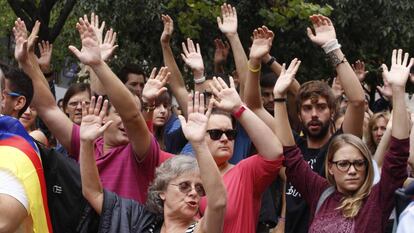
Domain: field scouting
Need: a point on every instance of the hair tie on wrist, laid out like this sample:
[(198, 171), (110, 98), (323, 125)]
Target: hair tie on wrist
[(200, 80), (279, 100)]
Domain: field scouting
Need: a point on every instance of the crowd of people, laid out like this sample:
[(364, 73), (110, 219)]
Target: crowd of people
[(241, 151)]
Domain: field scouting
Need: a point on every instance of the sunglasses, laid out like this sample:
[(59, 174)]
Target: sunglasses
[(215, 134), (12, 93), (186, 187), (344, 165)]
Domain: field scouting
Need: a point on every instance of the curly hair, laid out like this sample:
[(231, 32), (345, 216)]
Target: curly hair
[(167, 171), (351, 204)]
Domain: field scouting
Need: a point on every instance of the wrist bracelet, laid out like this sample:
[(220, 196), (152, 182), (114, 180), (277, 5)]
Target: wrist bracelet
[(279, 100), (334, 59), (271, 61), (252, 69), (282, 219), (237, 114), (200, 80), (331, 46)]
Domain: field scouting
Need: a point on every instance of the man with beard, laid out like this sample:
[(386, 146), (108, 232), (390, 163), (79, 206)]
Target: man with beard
[(316, 106)]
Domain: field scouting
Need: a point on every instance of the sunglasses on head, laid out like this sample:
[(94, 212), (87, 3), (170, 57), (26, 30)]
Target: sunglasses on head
[(215, 134), (186, 187)]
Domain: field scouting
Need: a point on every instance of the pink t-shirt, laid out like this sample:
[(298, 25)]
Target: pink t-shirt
[(119, 169), (245, 184)]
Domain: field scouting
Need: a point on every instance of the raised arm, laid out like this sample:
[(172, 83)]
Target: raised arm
[(194, 130), (91, 128), (58, 123), (397, 77), (262, 43), (192, 57), (282, 125), (265, 141), (153, 88), (383, 145), (411, 158), (228, 26), (107, 46), (45, 49), (176, 82), (121, 98), (220, 55), (325, 37)]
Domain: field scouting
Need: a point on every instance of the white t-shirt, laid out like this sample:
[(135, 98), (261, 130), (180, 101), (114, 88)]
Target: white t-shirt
[(406, 220), (10, 185)]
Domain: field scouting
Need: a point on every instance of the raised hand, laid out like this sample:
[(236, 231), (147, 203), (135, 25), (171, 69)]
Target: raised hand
[(228, 98), (90, 53), (359, 68), (24, 44), (400, 69), (262, 42), (286, 78), (228, 25), (195, 127), (92, 118), (168, 28), (20, 36), (95, 24), (386, 89), (108, 45), (45, 55), (192, 56), (221, 52), (155, 85), (324, 30)]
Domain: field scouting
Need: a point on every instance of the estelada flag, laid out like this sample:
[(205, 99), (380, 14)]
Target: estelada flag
[(20, 156)]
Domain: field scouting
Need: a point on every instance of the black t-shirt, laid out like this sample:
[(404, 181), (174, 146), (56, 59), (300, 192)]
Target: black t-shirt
[(297, 210)]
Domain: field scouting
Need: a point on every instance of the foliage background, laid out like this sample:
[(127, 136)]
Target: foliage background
[(367, 30)]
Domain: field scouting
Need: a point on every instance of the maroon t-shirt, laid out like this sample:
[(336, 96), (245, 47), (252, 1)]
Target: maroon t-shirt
[(376, 208)]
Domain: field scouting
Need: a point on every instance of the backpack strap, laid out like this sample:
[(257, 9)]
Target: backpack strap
[(326, 193)]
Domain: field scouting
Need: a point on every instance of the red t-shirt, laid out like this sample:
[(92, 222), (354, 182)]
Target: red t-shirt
[(245, 184)]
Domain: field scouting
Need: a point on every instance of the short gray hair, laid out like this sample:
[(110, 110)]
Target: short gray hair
[(167, 171)]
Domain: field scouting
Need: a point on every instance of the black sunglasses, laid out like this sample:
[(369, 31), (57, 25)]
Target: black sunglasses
[(215, 134), (186, 187)]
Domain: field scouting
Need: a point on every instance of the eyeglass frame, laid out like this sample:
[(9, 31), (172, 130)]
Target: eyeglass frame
[(12, 93), (189, 187), (365, 164)]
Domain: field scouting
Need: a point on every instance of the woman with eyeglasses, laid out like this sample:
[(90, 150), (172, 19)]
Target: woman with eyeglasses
[(347, 200), (174, 196)]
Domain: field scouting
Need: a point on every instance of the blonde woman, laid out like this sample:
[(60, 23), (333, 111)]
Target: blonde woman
[(347, 200), (376, 129)]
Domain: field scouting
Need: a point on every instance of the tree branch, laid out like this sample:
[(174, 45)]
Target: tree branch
[(18, 10), (64, 13)]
